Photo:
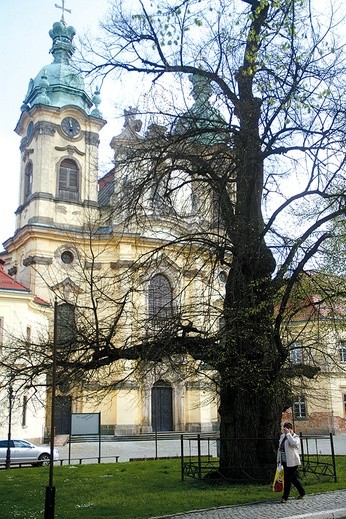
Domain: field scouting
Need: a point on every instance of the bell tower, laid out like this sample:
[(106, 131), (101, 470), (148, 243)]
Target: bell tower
[(59, 128), (59, 147)]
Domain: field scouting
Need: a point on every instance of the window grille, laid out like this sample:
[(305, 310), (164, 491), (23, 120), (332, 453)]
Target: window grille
[(296, 353), (342, 352), (299, 407), (28, 181), (160, 298)]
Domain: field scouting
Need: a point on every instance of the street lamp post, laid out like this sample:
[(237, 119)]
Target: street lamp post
[(10, 404), (50, 489)]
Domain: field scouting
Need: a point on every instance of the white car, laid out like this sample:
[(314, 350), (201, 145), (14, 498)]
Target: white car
[(23, 451)]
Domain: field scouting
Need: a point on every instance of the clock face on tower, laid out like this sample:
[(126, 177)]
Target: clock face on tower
[(70, 126)]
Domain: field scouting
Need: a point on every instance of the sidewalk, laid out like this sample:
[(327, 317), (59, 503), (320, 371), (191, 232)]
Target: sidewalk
[(331, 505)]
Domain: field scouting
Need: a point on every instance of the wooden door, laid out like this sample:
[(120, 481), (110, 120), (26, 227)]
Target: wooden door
[(162, 406)]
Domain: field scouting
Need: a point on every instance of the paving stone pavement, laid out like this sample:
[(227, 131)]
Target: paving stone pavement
[(330, 505)]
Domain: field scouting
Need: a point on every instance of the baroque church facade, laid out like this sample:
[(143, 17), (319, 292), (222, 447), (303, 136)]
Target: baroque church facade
[(55, 248), (75, 237)]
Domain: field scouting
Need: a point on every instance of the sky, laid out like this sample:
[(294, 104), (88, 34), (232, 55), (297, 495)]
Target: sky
[(25, 45)]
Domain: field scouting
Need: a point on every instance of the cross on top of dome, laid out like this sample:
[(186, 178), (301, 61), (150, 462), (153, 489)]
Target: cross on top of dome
[(63, 8)]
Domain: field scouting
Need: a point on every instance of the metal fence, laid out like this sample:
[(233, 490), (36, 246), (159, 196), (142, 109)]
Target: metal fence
[(200, 459), (318, 456)]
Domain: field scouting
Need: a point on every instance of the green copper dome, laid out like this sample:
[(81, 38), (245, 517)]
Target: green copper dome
[(202, 123), (60, 83)]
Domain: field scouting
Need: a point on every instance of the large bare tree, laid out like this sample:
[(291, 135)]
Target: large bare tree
[(278, 76)]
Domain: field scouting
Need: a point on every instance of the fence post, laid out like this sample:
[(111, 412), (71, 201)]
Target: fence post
[(302, 448), (333, 455), (182, 456), (199, 456), (99, 424)]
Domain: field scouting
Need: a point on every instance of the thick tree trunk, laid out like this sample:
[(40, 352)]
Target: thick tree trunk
[(251, 388), (250, 397), (248, 432)]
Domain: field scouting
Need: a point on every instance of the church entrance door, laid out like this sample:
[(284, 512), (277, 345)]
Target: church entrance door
[(162, 406)]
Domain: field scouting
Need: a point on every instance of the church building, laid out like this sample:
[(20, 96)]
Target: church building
[(123, 277), (72, 225)]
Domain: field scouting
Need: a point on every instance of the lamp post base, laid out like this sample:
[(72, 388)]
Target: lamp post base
[(49, 503)]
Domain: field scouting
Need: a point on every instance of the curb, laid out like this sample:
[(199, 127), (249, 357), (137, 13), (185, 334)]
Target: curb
[(339, 513)]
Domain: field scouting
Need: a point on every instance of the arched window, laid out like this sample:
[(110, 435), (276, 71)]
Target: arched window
[(68, 180), (160, 298), (28, 181)]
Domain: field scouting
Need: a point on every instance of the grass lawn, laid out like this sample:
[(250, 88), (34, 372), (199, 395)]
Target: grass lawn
[(133, 490)]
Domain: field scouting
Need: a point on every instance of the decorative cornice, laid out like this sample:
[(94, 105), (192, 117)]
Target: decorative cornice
[(37, 260), (34, 196), (121, 264), (70, 150), (89, 203), (92, 265), (67, 283), (42, 194)]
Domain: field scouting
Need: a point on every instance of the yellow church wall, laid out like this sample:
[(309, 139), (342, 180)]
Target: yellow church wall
[(192, 408), (209, 414), (338, 392), (106, 406), (108, 253), (128, 411), (201, 408)]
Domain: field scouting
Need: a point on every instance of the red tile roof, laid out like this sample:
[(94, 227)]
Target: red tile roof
[(8, 283)]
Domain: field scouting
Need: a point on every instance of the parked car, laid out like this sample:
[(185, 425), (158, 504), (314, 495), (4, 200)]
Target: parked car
[(23, 451)]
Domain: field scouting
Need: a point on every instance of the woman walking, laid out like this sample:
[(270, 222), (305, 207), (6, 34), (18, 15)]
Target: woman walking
[(288, 455)]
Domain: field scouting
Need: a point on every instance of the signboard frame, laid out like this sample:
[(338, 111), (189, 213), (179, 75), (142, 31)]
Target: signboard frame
[(85, 424)]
